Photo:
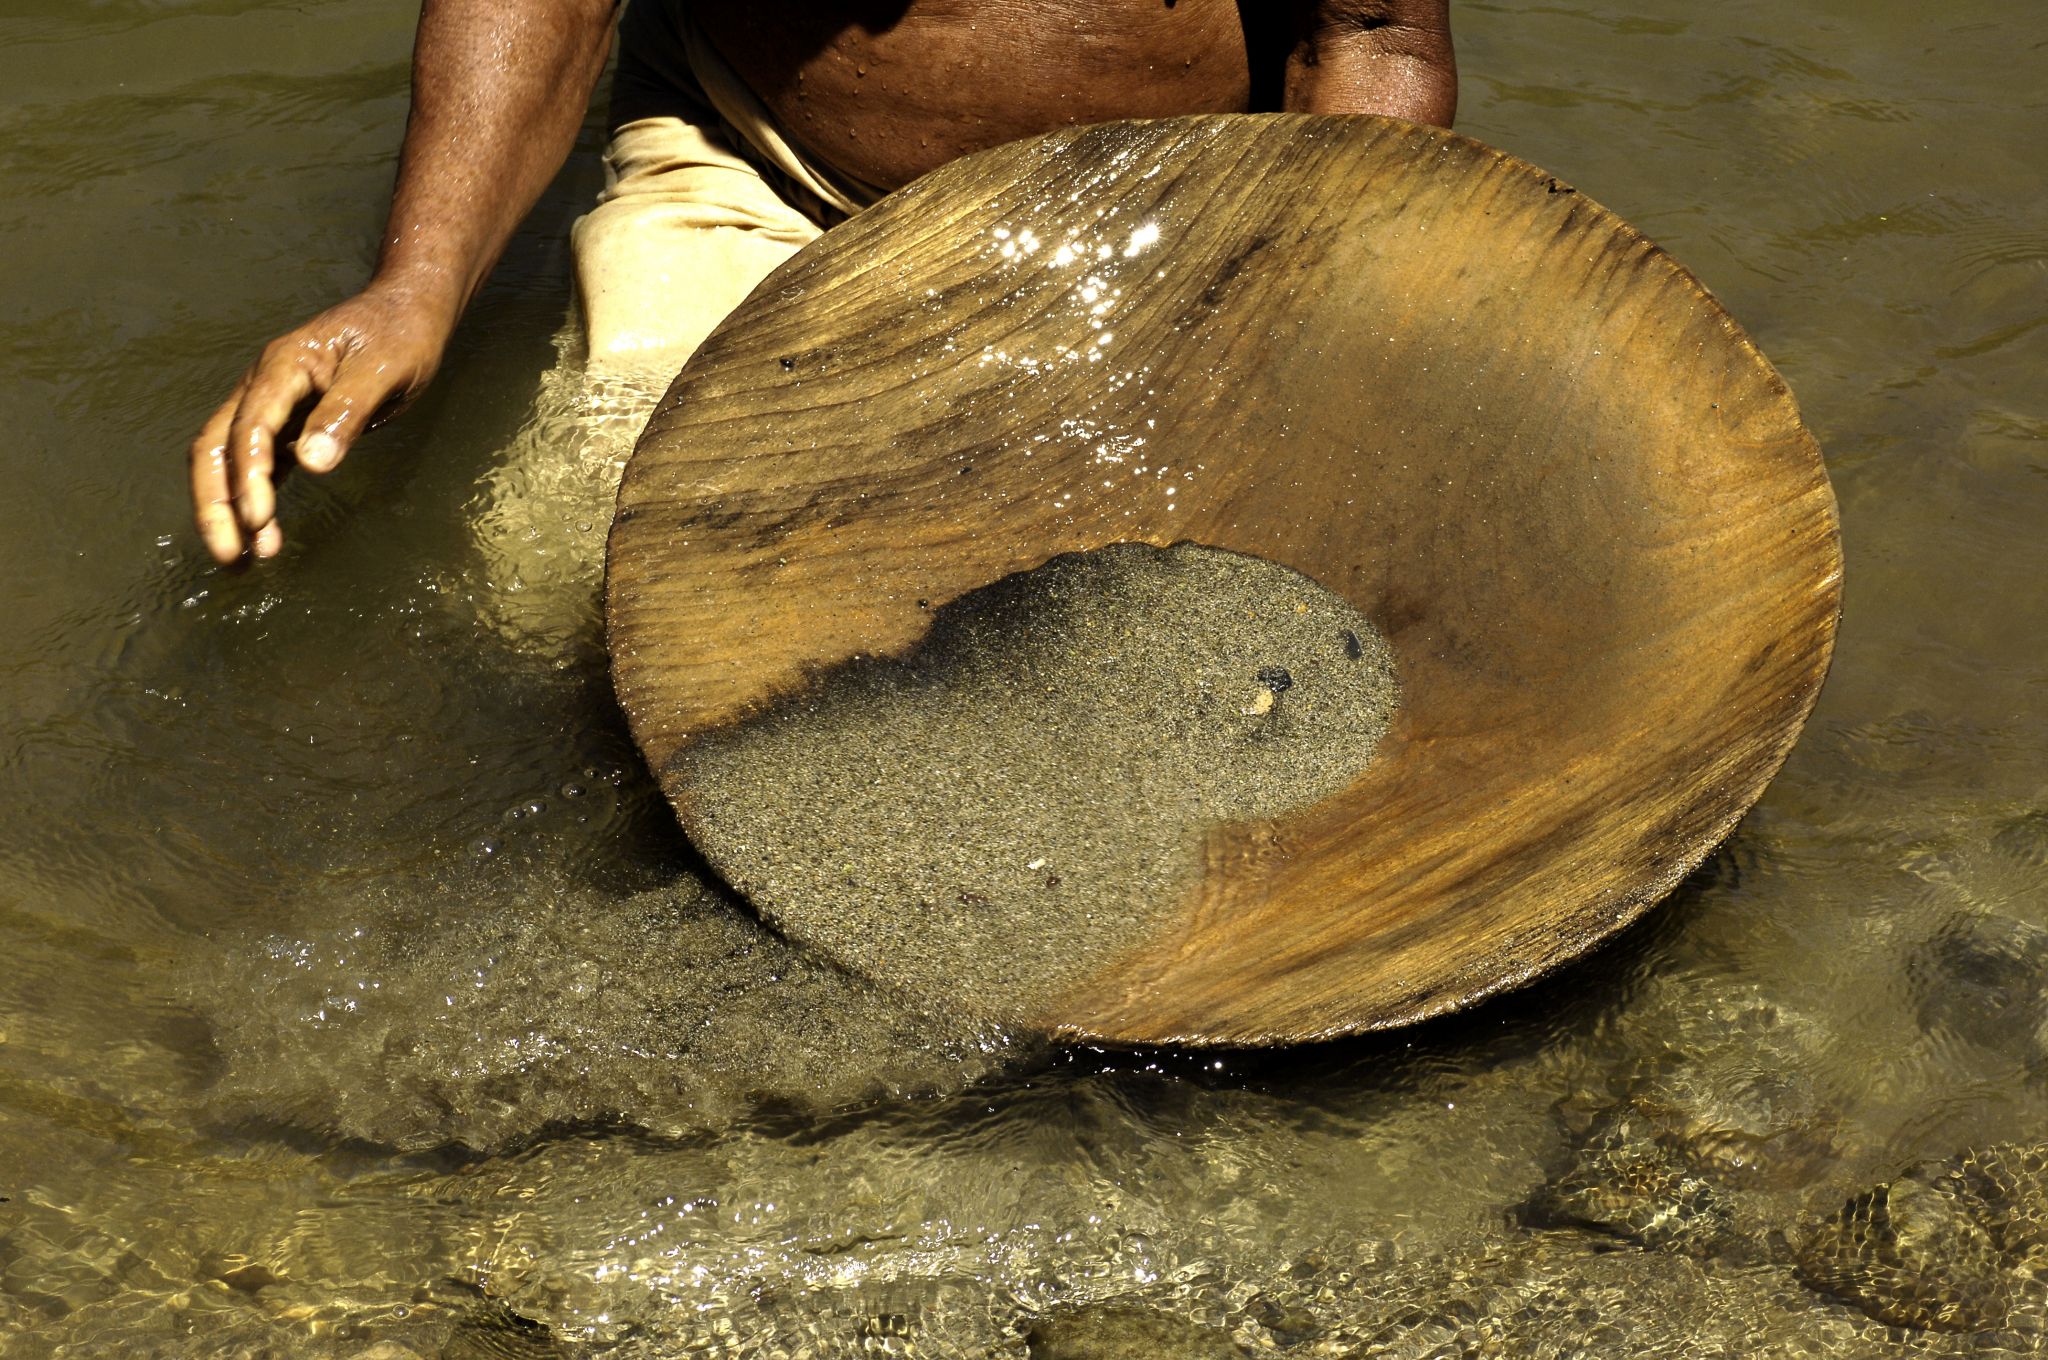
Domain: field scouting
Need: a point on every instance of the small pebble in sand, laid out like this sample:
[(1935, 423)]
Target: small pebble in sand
[(1088, 721)]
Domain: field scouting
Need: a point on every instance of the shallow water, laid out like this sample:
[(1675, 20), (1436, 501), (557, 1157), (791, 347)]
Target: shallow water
[(337, 909)]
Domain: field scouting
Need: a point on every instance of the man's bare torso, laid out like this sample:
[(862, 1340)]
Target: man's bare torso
[(885, 90), (882, 89)]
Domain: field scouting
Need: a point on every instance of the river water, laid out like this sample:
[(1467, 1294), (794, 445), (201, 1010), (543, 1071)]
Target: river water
[(355, 992)]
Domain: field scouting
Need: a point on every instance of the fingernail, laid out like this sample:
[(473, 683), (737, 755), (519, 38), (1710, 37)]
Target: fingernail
[(319, 451), (223, 538)]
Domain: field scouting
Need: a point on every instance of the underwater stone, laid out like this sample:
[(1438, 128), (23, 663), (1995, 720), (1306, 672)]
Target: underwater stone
[(1121, 1331)]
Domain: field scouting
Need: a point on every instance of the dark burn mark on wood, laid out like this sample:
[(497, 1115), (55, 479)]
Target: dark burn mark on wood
[(1398, 613), (1232, 267), (710, 519)]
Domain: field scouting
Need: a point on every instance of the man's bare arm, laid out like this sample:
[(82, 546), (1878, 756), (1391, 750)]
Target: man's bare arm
[(1373, 56), (499, 90)]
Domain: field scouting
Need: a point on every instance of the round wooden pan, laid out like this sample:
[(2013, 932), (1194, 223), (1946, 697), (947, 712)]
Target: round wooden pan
[(1441, 383)]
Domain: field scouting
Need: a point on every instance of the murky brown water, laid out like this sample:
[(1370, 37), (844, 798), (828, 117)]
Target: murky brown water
[(349, 992)]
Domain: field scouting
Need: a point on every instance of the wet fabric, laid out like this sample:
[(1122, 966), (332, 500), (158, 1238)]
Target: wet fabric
[(705, 194)]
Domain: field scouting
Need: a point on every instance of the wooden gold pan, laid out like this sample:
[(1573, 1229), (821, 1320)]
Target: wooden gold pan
[(1441, 383)]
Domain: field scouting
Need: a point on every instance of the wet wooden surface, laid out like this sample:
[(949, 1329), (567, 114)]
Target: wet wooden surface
[(1443, 384)]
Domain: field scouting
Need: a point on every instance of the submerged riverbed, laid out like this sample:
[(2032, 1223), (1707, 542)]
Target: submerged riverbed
[(357, 988)]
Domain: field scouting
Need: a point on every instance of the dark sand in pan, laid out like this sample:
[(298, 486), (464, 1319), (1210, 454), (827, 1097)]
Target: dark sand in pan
[(1023, 798)]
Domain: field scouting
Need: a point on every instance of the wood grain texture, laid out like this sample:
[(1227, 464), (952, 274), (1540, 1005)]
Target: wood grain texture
[(1446, 386)]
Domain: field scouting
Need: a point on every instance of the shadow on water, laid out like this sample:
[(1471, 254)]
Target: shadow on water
[(1518, 1025)]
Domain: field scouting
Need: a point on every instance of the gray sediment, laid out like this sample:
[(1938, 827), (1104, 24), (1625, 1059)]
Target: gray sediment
[(993, 817), (482, 1014)]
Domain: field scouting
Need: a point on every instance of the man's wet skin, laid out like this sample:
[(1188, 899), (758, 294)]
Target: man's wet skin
[(906, 87), (883, 90)]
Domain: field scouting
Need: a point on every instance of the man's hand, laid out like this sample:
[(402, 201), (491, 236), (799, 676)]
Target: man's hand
[(499, 88), (322, 384)]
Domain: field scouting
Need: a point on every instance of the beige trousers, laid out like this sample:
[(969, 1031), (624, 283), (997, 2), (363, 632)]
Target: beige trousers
[(704, 196), (684, 232)]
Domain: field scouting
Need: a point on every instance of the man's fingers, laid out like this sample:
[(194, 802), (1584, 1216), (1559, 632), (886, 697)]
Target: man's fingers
[(342, 415), (274, 393), (212, 504), (322, 385)]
